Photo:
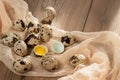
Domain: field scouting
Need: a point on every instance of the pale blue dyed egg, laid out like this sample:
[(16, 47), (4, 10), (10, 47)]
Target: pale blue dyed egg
[(58, 47)]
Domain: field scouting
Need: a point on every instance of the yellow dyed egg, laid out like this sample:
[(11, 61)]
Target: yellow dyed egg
[(40, 50)]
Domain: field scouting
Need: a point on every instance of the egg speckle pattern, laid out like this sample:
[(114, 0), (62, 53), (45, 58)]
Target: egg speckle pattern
[(77, 59), (19, 25), (32, 40), (45, 33), (20, 48), (48, 15), (49, 63), (9, 39), (50, 12), (33, 28), (67, 39), (22, 65)]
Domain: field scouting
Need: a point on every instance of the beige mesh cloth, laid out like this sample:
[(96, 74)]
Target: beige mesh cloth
[(101, 48)]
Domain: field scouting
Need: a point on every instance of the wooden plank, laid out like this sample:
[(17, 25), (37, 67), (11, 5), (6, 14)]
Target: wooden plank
[(71, 15), (6, 74), (104, 15)]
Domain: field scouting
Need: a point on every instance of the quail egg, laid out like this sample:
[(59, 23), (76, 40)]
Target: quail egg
[(32, 40), (33, 28), (45, 33), (9, 39), (50, 12), (20, 48), (49, 63), (49, 15), (22, 65), (77, 59), (67, 39), (19, 25)]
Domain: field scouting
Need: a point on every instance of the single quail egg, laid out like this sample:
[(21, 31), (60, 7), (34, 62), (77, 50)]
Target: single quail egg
[(19, 25), (20, 48), (50, 12), (32, 40), (22, 65), (77, 59), (67, 39), (45, 33), (9, 39), (48, 15), (49, 63), (33, 28)]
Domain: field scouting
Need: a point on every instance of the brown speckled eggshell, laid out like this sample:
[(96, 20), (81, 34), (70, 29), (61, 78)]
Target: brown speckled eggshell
[(45, 33), (33, 28), (20, 48), (22, 65), (19, 24), (9, 39), (78, 59), (49, 63), (32, 40), (67, 39)]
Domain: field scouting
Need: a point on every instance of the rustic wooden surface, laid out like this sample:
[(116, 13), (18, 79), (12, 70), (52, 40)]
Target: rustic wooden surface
[(81, 15), (104, 15)]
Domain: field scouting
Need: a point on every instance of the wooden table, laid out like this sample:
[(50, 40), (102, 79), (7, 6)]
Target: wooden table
[(81, 15)]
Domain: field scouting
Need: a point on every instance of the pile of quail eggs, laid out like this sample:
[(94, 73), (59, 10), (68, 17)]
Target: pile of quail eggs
[(37, 33)]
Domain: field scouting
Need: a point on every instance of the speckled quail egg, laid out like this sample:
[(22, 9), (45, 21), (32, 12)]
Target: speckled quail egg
[(78, 59), (50, 12), (19, 24), (32, 40), (9, 39), (20, 48), (67, 39), (22, 65), (49, 15), (45, 33), (49, 63), (33, 28)]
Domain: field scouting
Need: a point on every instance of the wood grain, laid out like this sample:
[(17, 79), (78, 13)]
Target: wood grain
[(6, 74), (104, 15)]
